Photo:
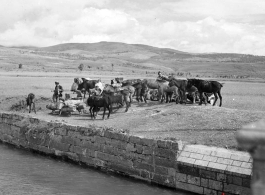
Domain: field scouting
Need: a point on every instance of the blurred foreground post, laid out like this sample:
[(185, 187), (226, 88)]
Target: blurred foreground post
[(252, 139)]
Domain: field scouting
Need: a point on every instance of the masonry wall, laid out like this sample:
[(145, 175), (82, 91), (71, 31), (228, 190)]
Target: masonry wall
[(199, 169)]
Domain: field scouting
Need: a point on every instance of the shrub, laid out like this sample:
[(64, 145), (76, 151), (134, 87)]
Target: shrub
[(81, 67)]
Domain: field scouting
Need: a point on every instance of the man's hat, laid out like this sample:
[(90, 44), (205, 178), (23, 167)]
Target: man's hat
[(158, 72), (56, 82)]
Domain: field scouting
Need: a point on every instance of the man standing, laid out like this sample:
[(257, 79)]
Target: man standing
[(58, 90), (160, 77)]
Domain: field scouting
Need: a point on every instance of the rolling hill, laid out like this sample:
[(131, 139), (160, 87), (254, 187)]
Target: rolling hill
[(122, 58)]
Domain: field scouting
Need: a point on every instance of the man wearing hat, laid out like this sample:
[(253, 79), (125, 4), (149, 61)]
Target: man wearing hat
[(58, 90)]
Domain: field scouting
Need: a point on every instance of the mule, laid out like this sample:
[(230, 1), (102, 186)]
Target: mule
[(141, 91), (205, 86), (85, 85), (31, 102), (182, 86), (126, 91), (170, 91), (159, 85), (96, 102), (130, 82)]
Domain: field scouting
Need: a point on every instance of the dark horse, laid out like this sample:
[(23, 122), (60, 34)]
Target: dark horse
[(31, 102), (204, 86), (126, 91), (96, 102), (86, 85)]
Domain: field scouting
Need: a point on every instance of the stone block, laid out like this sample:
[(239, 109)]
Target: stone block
[(209, 191), (148, 142), (165, 153), (218, 166), (246, 165), (202, 163), (161, 170), (87, 160), (239, 170), (172, 172), (145, 174), (188, 170), (148, 150), (240, 157), (181, 177), (208, 174), (164, 162), (135, 140), (204, 182), (221, 177), (234, 189), (90, 153), (118, 144), (196, 156), (210, 158), (99, 163), (189, 187), (224, 161), (130, 147), (45, 150), (61, 131), (246, 182), (139, 149), (216, 185), (221, 154), (164, 144), (193, 180), (236, 163), (163, 180), (237, 180), (143, 166), (79, 150), (190, 148), (124, 169), (186, 160), (185, 154)]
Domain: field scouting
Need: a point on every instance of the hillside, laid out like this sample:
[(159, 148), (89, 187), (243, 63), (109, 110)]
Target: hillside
[(121, 58)]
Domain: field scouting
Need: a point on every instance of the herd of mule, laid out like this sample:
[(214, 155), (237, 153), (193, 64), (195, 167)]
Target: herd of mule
[(123, 90)]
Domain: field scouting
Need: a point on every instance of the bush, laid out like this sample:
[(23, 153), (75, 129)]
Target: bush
[(81, 67)]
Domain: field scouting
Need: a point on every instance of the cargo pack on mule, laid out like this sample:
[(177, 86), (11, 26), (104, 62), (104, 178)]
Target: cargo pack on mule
[(67, 106)]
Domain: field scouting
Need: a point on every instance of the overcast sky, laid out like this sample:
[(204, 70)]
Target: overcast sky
[(227, 26)]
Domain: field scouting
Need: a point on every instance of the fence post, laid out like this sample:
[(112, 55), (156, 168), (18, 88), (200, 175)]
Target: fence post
[(252, 139)]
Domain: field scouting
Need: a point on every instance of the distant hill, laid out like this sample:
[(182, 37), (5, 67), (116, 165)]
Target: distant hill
[(154, 52), (122, 58)]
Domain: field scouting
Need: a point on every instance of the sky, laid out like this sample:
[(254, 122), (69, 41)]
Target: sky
[(197, 26)]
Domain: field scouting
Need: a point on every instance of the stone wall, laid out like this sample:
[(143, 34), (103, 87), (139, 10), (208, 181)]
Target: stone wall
[(199, 169)]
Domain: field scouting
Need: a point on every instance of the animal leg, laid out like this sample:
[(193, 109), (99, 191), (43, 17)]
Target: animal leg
[(34, 107), (219, 93), (200, 98), (104, 112), (110, 110), (216, 97)]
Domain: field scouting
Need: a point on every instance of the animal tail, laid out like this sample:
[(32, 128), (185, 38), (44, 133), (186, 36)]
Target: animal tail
[(222, 84)]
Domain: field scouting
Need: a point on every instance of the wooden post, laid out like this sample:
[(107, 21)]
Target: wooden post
[(252, 139)]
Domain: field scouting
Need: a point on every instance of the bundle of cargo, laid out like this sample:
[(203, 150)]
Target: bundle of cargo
[(67, 106)]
